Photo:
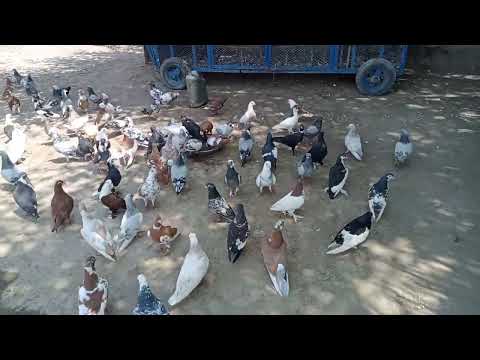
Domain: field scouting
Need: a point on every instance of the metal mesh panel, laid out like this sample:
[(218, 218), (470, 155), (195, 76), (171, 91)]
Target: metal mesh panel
[(201, 55), (367, 52), (244, 55), (393, 53), (300, 55), (345, 57), (184, 52)]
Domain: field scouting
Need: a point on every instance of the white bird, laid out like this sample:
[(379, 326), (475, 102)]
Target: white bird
[(289, 123), (96, 234), (93, 294), (249, 115), (292, 201), (266, 178), (403, 148), (292, 104), (130, 226), (193, 270), (16, 146), (353, 143)]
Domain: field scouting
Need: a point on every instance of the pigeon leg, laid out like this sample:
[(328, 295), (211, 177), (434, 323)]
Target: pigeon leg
[(344, 192)]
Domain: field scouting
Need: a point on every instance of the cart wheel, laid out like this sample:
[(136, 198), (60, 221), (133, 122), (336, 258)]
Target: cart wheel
[(375, 77), (173, 72)]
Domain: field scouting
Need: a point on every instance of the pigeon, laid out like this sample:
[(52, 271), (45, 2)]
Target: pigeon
[(16, 146), (13, 103), (224, 130), (59, 92), (193, 128), (289, 123), (179, 140), (95, 232), (85, 147), (102, 146), (44, 107), (215, 104), (179, 172), (25, 197), (148, 191), (30, 88), (82, 101), (319, 150), (314, 130), (217, 204), (353, 143), (294, 200), (232, 178), (111, 199), (9, 171), (207, 127), (193, 145), (274, 252), (266, 178), (65, 145), (194, 269), (169, 152), (156, 139), (18, 78), (305, 166), (291, 104), (8, 127), (113, 175), (162, 235), (249, 116), (245, 147), (238, 232), (270, 152), (337, 177), (130, 226), (147, 303), (62, 206), (94, 98), (377, 196), (352, 235), (290, 140), (93, 294), (403, 148)]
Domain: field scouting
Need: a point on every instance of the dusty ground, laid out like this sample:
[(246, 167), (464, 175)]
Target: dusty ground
[(423, 258)]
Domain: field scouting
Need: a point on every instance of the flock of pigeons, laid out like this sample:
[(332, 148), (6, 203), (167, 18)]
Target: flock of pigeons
[(75, 135)]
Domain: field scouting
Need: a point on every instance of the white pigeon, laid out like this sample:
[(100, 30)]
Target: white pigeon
[(249, 115), (194, 269), (292, 201), (289, 123), (353, 143), (16, 146), (266, 178), (130, 225), (403, 148)]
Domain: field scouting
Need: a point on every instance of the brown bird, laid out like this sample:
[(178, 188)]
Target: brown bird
[(62, 206), (111, 199), (163, 235), (8, 89), (92, 296), (13, 103), (216, 104), (206, 127), (274, 252)]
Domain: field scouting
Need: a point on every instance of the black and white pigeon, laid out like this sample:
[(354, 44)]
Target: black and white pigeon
[(270, 151), (66, 104), (291, 105), (377, 196), (148, 303), (193, 128), (238, 232), (25, 196), (93, 97), (403, 148), (245, 147), (352, 235), (18, 78), (217, 205), (305, 166), (9, 171), (232, 178), (337, 177), (30, 86), (178, 173), (313, 130), (113, 175), (58, 91), (44, 107), (291, 140), (319, 150), (102, 146)]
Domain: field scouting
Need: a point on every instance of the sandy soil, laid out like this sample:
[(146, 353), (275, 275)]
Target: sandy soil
[(423, 258)]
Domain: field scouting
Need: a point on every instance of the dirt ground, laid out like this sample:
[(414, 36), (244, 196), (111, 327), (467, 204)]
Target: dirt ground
[(422, 258)]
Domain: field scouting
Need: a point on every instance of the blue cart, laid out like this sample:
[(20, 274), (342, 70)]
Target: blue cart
[(376, 67)]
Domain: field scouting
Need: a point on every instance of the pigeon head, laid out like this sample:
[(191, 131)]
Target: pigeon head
[(251, 104), (404, 136), (301, 128), (308, 156), (246, 134), (292, 103), (142, 281), (212, 191), (90, 262), (58, 185), (193, 240), (158, 222), (230, 163), (279, 225), (389, 176)]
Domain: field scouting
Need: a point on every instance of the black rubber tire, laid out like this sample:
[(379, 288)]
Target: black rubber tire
[(389, 76), (167, 64)]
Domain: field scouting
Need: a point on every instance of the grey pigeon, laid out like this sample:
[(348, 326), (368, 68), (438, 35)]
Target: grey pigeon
[(147, 303), (224, 130), (9, 171), (245, 147), (25, 197), (305, 166), (178, 173), (377, 196), (403, 148), (313, 130), (232, 178), (30, 86)]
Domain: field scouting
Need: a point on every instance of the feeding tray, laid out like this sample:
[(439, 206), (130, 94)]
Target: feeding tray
[(210, 150)]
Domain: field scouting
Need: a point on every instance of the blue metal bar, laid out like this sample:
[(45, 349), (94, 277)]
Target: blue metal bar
[(403, 62), (382, 51), (353, 61), (333, 57), (172, 50), (268, 56), (211, 55), (194, 55)]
